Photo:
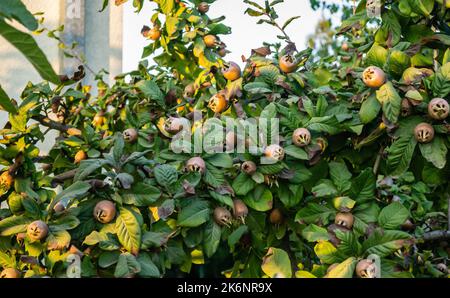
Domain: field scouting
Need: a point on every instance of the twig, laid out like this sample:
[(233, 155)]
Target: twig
[(377, 161), (50, 123), (435, 235), (64, 176)]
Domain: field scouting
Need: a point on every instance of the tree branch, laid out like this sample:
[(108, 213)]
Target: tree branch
[(435, 235), (50, 123)]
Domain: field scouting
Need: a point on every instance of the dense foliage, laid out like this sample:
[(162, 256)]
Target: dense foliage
[(359, 186)]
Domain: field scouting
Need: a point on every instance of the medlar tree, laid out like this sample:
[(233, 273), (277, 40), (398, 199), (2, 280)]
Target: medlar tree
[(357, 186)]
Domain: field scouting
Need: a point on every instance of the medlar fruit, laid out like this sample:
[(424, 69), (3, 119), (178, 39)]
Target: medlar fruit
[(37, 230), (231, 71), (154, 33), (6, 180), (79, 156), (189, 90), (373, 77), (287, 63), (203, 7), (59, 207), (276, 217), (130, 135), (406, 108), (274, 152), (438, 109), (344, 219), (301, 137), (249, 167), (210, 40), (222, 51), (424, 132), (218, 103), (173, 125), (105, 211), (345, 47), (222, 216), (366, 269), (196, 164), (240, 210), (10, 273)]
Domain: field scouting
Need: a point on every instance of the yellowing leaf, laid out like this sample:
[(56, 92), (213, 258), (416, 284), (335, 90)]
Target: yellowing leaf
[(343, 203), (154, 211), (197, 257), (343, 270), (276, 263), (304, 274), (324, 248)]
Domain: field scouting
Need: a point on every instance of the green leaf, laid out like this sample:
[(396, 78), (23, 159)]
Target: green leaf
[(325, 188), (401, 153), (393, 215), (148, 268), (391, 101), (340, 176), (153, 239), (296, 152), (66, 222), (363, 186), (194, 214), (211, 238), (57, 240), (151, 90), (384, 243), (166, 6), (15, 9), (5, 102), (349, 245), (127, 266), (435, 152), (236, 235), (276, 263), (261, 199), (314, 213), (289, 21), (377, 55), (370, 109), (128, 230), (141, 194), (13, 225), (76, 190), (165, 175), (7, 261), (221, 160), (26, 44), (108, 258), (313, 233), (242, 184)]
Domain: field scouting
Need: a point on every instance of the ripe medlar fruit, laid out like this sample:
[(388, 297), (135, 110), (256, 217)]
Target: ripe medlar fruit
[(105, 211), (274, 152), (287, 63), (130, 135), (373, 77), (344, 219), (154, 33), (79, 156), (276, 217), (366, 269), (301, 137), (222, 51), (196, 164), (10, 273), (37, 230), (240, 210), (203, 7), (218, 103), (249, 167), (173, 125), (438, 109), (189, 90), (231, 71), (424, 132), (59, 207), (6, 180), (210, 40), (345, 47), (222, 216)]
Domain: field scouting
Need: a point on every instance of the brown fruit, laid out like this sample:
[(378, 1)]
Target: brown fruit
[(424, 133), (105, 211), (154, 33), (373, 77), (301, 137), (59, 207), (406, 108), (344, 219), (189, 90), (130, 135), (287, 63), (222, 216), (438, 109), (231, 71), (366, 269), (276, 217), (222, 51), (196, 164), (345, 47), (210, 40), (442, 267), (6, 180), (240, 210), (10, 273), (248, 167), (203, 7), (79, 156), (274, 152), (218, 103), (173, 125), (37, 230)]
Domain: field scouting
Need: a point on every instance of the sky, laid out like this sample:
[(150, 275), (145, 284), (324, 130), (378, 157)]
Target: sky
[(246, 34)]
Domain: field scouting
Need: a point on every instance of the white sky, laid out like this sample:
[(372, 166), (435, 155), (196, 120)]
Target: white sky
[(246, 34)]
